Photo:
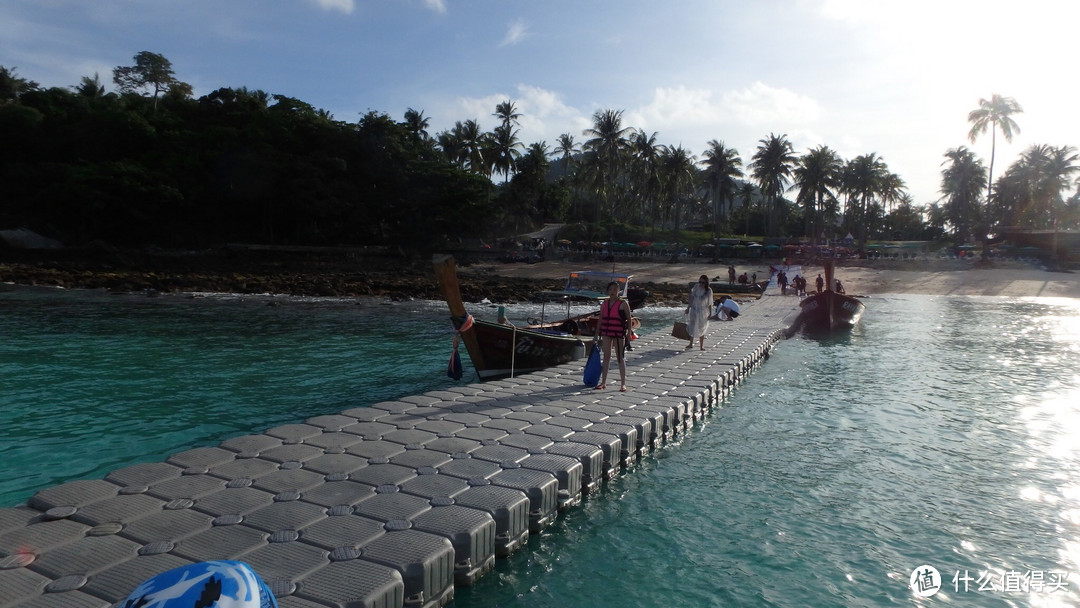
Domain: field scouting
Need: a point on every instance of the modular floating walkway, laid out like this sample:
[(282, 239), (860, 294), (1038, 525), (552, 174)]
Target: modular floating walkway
[(389, 505)]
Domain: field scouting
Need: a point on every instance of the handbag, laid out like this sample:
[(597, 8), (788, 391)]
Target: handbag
[(679, 331), (593, 367)]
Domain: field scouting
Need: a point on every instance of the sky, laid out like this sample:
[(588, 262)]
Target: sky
[(895, 78)]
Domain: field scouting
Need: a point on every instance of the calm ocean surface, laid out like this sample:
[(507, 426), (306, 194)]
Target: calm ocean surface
[(945, 431)]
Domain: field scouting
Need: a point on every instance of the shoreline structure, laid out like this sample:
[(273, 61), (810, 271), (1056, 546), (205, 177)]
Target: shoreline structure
[(340, 276)]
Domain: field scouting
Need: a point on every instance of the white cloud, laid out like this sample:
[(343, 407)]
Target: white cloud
[(544, 114), (675, 107), (345, 6), (761, 104), (439, 6), (515, 33), (758, 105)]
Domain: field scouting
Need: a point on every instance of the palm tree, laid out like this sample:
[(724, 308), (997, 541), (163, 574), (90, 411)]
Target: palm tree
[(503, 142), (1030, 193), (994, 113), (722, 167), (525, 200), (12, 86), (961, 183), (91, 87), (1057, 176), (566, 148), (678, 171), (472, 139), (817, 175), (746, 197), (893, 190), (450, 144), (607, 143), (864, 179), (536, 155), (644, 175), (417, 124), (503, 148), (507, 113), (771, 167)]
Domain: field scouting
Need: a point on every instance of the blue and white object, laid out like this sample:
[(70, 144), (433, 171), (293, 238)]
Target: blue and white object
[(220, 584)]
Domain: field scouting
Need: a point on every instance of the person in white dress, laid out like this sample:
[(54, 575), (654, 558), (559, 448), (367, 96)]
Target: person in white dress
[(699, 309)]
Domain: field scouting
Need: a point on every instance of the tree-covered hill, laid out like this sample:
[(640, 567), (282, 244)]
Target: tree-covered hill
[(83, 166)]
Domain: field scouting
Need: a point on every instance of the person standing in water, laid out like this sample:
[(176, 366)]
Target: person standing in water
[(614, 325), (699, 309)]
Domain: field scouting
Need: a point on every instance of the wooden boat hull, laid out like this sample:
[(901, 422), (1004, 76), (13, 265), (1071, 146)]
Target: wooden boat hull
[(829, 311), (510, 351), (499, 350)]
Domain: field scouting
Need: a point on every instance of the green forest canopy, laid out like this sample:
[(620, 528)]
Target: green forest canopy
[(149, 165)]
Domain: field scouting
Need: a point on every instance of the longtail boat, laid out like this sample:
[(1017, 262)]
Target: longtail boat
[(499, 349), (828, 311)]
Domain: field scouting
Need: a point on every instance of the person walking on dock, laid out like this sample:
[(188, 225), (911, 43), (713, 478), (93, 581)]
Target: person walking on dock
[(699, 309), (614, 326), (731, 274)]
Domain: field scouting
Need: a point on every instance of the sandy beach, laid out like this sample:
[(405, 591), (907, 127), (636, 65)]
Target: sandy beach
[(330, 275), (929, 276)]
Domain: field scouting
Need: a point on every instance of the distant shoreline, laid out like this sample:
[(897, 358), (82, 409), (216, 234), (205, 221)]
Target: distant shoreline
[(398, 279)]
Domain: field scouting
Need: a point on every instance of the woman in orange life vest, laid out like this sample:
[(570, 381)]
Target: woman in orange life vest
[(614, 325)]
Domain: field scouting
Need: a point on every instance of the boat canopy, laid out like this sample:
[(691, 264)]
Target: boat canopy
[(589, 285)]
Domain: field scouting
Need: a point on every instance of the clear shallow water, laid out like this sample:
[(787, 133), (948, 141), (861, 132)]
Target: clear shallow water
[(943, 431)]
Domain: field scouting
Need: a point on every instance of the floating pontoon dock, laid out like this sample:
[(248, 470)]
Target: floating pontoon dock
[(389, 505)]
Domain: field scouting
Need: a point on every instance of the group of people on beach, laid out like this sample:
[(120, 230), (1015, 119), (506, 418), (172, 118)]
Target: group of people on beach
[(743, 279), (798, 284)]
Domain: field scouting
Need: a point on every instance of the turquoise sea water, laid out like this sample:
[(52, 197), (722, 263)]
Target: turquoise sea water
[(944, 431)]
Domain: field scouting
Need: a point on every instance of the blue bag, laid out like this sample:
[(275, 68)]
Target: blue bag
[(593, 366)]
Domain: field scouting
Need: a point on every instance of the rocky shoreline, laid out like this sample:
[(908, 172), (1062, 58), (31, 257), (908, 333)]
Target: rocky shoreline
[(298, 274)]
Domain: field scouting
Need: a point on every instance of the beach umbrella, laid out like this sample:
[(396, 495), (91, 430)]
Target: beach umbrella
[(644, 244)]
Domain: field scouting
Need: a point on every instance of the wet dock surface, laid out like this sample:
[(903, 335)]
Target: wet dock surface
[(393, 504)]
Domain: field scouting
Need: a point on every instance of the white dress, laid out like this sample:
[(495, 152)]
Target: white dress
[(701, 300)]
